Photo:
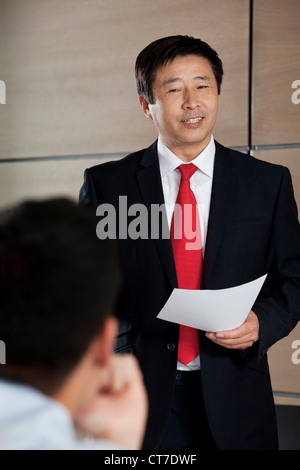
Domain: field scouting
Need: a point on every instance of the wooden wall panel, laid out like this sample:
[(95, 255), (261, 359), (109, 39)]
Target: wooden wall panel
[(276, 65), (69, 71), (284, 366), (284, 373), (286, 399), (276, 123), (41, 179)]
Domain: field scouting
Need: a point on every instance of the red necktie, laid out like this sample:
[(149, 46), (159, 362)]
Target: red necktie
[(187, 254)]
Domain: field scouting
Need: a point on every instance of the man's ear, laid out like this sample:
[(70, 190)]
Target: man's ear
[(103, 345), (145, 107)]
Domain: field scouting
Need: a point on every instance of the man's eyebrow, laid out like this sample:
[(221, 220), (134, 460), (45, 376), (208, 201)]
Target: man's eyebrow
[(170, 81), (202, 77)]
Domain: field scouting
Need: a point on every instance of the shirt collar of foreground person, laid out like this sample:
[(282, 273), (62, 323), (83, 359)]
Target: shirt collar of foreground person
[(33, 421), (58, 284)]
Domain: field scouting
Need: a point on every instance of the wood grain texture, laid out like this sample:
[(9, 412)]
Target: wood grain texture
[(42, 179), (276, 65), (286, 400), (69, 71), (285, 373)]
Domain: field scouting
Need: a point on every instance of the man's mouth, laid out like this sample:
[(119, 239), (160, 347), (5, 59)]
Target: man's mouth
[(192, 120)]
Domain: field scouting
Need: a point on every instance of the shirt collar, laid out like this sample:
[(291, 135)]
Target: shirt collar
[(168, 161)]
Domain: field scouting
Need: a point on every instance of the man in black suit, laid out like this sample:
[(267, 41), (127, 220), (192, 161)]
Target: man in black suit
[(221, 399)]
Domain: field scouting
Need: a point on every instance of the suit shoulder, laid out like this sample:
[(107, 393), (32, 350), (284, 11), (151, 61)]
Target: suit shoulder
[(249, 163), (127, 162)]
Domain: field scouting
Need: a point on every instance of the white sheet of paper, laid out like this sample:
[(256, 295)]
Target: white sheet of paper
[(212, 310)]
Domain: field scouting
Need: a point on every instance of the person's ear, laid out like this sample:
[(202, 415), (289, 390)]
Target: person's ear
[(145, 107), (103, 346)]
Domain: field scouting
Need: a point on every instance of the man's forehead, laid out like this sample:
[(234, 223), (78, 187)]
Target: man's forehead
[(195, 68)]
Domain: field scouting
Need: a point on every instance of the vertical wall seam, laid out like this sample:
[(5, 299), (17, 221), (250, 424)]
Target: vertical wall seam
[(250, 91)]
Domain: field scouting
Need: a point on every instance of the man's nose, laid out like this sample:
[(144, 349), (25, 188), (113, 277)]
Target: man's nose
[(190, 99)]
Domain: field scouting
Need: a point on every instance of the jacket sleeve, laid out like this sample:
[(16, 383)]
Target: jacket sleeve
[(87, 193), (90, 194), (278, 305)]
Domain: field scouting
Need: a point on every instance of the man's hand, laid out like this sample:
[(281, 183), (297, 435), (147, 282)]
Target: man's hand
[(119, 412), (240, 338)]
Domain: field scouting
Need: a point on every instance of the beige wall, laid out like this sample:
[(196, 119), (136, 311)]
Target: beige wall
[(71, 100), (69, 69), (275, 136)]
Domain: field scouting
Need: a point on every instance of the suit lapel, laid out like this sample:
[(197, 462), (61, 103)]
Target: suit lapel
[(221, 197), (150, 185)]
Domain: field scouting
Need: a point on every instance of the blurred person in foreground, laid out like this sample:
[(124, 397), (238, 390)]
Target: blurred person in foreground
[(58, 284)]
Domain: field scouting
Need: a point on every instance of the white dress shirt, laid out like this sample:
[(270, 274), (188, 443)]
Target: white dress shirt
[(201, 185), (29, 420)]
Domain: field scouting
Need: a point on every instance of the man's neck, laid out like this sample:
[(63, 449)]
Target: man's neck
[(185, 152)]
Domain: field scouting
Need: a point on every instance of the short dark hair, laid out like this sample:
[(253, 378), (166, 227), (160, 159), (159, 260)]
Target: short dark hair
[(163, 51), (58, 282)]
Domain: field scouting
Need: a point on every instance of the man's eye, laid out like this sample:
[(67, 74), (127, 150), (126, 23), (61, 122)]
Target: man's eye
[(173, 90), (201, 87)]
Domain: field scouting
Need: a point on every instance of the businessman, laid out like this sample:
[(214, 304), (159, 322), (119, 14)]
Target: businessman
[(206, 390), (58, 285)]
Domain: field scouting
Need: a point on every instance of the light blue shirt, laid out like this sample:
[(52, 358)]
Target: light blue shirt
[(29, 420)]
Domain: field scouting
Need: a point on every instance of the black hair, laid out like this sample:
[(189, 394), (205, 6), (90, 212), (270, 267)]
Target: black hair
[(58, 283), (163, 51)]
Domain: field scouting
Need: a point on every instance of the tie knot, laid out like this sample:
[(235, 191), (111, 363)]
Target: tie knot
[(187, 171)]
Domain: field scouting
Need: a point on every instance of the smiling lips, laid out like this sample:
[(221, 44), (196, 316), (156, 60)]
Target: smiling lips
[(192, 120)]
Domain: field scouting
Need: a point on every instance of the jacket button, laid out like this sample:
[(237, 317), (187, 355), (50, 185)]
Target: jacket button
[(171, 347)]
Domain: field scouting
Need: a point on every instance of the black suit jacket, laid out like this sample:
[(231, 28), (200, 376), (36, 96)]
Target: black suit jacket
[(253, 230)]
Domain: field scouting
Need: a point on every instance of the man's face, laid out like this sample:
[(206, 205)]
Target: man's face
[(185, 105)]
